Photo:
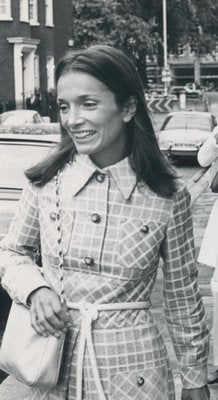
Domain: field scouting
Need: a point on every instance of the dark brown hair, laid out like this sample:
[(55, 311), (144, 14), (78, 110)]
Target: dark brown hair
[(118, 73)]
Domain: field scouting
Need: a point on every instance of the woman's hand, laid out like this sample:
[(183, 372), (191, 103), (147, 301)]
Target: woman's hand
[(202, 393), (48, 315)]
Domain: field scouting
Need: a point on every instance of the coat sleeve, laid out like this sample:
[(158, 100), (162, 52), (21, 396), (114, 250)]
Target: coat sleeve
[(183, 306), (208, 251), (18, 269), (209, 151)]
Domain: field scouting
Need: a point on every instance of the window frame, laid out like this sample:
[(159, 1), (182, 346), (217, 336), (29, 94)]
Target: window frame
[(49, 16), (7, 15), (24, 10), (34, 20)]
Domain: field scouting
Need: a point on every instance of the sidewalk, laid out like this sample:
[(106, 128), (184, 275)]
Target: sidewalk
[(202, 201)]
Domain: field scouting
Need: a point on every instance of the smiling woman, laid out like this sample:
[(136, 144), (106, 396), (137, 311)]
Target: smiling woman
[(103, 209), (90, 115)]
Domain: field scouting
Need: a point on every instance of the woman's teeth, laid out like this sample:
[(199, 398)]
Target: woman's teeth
[(83, 134)]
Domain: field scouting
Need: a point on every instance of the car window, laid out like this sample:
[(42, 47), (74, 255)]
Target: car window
[(188, 122), (36, 118), (4, 117), (15, 159), (14, 119)]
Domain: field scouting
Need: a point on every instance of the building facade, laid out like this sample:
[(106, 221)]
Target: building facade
[(34, 34), (187, 67)]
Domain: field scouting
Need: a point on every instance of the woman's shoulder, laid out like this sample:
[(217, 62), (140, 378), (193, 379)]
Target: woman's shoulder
[(163, 207), (180, 192)]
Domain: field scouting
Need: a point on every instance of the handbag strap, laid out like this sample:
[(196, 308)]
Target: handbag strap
[(59, 241)]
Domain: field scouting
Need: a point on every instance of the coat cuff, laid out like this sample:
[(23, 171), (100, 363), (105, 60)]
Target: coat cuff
[(19, 288), (194, 377)]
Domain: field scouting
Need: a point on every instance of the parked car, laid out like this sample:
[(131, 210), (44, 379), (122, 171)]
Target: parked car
[(17, 153), (21, 117), (194, 86), (190, 93), (155, 91), (184, 132)]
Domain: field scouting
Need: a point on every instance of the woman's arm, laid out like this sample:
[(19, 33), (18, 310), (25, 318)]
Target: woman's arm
[(209, 151), (183, 305), (20, 274)]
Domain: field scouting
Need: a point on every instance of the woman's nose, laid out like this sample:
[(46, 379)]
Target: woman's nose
[(75, 117)]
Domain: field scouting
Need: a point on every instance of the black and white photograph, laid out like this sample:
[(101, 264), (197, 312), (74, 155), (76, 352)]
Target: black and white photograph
[(108, 200)]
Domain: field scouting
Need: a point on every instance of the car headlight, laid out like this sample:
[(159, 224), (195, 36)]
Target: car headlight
[(165, 143)]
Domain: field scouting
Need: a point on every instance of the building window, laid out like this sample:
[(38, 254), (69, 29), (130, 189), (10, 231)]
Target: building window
[(180, 50), (5, 10), (24, 10), (33, 12), (50, 73), (49, 13)]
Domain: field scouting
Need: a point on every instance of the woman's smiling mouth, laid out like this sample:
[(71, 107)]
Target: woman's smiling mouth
[(82, 134)]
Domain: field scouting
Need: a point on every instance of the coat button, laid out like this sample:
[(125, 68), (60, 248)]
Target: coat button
[(53, 216), (100, 177), (96, 218), (140, 381), (89, 261), (145, 229)]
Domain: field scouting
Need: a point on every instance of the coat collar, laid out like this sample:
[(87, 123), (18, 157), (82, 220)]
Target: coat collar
[(83, 169)]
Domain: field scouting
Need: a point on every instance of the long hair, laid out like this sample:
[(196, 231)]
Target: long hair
[(118, 73)]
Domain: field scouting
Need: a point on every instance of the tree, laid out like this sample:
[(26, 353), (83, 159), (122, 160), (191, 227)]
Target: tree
[(117, 23), (193, 22), (136, 26)]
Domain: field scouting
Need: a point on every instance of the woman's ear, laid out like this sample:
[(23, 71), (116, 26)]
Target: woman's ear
[(129, 109)]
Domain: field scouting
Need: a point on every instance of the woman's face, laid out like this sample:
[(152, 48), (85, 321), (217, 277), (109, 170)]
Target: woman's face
[(91, 117)]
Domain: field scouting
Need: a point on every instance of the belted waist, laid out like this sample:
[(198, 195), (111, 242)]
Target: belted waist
[(89, 313), (92, 308)]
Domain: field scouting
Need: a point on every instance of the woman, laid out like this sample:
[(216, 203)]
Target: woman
[(208, 156), (106, 206)]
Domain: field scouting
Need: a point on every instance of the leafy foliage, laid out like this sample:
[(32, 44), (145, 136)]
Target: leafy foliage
[(114, 22), (136, 26)]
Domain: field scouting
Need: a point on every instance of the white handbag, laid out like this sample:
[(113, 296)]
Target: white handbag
[(32, 358)]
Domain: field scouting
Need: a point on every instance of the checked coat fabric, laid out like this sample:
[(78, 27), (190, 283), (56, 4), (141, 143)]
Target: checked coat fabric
[(114, 232)]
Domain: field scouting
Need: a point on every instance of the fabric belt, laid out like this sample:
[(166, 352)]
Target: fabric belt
[(89, 313)]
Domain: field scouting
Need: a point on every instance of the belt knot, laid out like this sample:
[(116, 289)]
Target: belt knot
[(89, 311)]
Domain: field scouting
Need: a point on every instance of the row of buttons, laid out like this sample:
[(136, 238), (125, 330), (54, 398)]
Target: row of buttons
[(97, 219), (94, 217)]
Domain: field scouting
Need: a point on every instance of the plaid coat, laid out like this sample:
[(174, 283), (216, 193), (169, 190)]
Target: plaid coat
[(114, 233)]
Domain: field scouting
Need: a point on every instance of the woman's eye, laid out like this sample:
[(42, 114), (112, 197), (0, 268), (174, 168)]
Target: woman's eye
[(63, 108), (90, 104)]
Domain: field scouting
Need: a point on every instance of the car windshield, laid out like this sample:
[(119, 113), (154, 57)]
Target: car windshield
[(15, 159), (202, 122), (19, 118)]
